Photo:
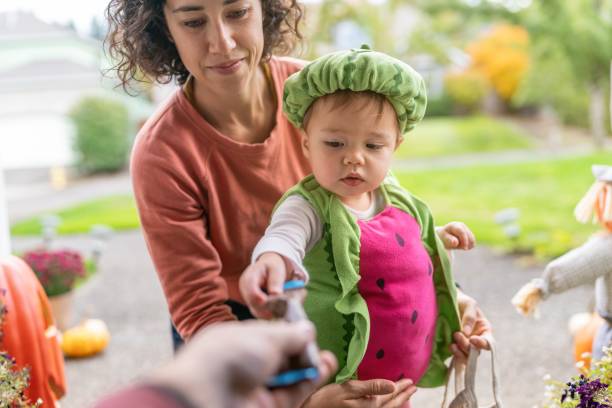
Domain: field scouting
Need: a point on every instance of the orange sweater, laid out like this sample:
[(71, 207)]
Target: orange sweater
[(205, 200)]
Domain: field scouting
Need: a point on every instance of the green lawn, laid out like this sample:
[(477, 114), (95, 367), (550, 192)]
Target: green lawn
[(545, 193), (461, 135), (118, 212)]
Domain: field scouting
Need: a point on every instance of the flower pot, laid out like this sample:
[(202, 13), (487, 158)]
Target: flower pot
[(61, 307)]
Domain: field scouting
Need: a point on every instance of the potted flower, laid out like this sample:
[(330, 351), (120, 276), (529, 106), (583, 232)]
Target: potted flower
[(58, 272)]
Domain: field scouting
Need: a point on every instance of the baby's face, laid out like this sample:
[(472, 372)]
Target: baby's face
[(350, 147)]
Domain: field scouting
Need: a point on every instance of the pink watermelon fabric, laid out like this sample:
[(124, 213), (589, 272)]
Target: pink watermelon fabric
[(397, 285)]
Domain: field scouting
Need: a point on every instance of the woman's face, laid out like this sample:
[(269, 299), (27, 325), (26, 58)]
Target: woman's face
[(219, 41)]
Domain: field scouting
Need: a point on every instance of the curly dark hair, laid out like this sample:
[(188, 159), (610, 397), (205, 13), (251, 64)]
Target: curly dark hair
[(139, 41)]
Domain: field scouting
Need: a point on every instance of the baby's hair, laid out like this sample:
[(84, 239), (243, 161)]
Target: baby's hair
[(344, 97)]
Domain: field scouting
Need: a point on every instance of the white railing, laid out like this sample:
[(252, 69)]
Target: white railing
[(5, 240)]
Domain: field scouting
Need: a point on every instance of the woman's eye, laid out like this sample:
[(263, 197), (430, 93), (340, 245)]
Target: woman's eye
[(238, 13), (374, 146), (333, 144), (194, 23)]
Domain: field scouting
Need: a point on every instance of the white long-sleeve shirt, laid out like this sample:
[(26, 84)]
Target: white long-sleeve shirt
[(296, 228)]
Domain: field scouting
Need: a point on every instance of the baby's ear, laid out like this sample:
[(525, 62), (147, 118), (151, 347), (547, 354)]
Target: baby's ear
[(399, 141)]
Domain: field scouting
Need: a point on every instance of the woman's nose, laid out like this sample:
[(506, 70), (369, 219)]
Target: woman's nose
[(220, 39)]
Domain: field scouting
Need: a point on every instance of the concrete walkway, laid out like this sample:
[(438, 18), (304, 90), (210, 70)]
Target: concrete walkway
[(126, 295)]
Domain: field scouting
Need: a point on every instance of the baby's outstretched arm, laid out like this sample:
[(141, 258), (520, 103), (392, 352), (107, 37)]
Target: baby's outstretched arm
[(277, 257)]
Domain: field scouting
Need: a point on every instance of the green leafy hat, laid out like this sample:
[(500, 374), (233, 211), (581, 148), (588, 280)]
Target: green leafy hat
[(357, 70)]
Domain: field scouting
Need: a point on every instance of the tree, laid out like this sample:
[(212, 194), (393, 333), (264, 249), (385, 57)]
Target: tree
[(501, 56), (582, 31)]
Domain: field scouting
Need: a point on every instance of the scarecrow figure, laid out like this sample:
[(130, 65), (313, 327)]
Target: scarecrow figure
[(591, 262)]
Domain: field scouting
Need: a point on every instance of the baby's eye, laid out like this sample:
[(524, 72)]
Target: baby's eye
[(331, 143), (194, 23), (374, 146)]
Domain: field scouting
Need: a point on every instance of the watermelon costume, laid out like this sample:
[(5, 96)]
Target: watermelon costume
[(380, 291)]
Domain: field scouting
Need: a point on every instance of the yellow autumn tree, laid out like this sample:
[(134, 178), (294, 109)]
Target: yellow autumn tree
[(502, 56)]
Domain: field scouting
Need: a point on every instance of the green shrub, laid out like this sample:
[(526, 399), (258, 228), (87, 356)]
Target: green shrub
[(440, 106), (102, 128)]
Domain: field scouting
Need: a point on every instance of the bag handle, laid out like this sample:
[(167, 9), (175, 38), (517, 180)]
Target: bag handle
[(465, 393)]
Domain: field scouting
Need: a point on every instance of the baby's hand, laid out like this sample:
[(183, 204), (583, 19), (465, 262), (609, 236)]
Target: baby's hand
[(269, 272), (456, 235)]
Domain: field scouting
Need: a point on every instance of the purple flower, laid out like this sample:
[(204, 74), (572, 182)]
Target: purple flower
[(593, 393)]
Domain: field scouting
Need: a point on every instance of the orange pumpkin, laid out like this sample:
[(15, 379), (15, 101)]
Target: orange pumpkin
[(583, 338), (87, 339), (29, 331)]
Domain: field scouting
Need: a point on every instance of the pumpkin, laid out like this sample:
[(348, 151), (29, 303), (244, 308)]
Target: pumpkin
[(86, 339), (30, 336), (584, 328)]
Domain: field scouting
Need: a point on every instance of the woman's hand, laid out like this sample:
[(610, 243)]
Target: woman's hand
[(456, 235), (475, 327), (362, 394), (270, 271)]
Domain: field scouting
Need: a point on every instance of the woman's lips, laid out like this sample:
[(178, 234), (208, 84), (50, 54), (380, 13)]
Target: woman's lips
[(228, 67)]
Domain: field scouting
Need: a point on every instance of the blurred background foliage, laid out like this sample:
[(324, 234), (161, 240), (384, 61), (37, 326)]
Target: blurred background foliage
[(503, 76), (497, 55), (518, 111)]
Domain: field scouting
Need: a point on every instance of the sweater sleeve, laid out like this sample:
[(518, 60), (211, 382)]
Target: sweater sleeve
[(294, 230), (145, 395), (173, 214), (579, 266)]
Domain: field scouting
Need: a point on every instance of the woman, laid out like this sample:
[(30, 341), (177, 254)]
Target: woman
[(209, 166)]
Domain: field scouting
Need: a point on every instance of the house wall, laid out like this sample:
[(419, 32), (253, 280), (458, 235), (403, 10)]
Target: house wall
[(18, 51), (42, 77), (35, 130)]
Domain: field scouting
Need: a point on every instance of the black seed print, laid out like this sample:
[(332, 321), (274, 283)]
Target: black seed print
[(430, 271), (400, 377), (380, 354), (399, 239), (380, 283), (427, 339), (414, 317)]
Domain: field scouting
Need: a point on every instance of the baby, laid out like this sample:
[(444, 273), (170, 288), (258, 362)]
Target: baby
[(380, 290)]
